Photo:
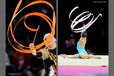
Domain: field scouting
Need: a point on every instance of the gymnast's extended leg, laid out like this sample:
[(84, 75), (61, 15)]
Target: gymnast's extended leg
[(69, 56), (86, 56)]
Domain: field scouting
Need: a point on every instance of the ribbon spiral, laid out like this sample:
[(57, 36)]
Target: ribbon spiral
[(81, 18)]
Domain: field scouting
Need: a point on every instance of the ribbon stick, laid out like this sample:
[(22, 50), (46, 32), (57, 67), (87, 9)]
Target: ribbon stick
[(81, 18), (36, 34)]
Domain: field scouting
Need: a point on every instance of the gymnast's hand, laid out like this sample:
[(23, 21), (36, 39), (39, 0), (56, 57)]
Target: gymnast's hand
[(84, 25), (32, 49)]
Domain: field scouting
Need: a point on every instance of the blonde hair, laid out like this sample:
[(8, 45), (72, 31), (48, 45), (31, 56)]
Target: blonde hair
[(46, 35)]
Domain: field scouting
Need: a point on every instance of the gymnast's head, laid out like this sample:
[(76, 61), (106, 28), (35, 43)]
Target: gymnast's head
[(84, 34), (51, 44)]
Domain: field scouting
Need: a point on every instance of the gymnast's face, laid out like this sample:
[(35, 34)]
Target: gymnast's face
[(51, 44)]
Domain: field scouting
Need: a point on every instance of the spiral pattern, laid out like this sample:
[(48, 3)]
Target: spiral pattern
[(19, 46), (81, 18)]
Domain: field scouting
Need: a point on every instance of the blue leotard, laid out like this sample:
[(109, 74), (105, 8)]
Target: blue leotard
[(80, 49)]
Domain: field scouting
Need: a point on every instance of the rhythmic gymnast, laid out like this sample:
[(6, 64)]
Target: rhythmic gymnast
[(51, 45), (82, 53)]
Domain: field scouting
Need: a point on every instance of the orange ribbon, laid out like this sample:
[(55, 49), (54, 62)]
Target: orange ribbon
[(20, 47)]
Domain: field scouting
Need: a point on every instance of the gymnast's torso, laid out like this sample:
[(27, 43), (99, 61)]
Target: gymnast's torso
[(81, 45)]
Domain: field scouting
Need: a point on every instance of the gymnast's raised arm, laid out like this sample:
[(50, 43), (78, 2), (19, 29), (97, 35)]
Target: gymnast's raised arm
[(84, 29), (82, 40)]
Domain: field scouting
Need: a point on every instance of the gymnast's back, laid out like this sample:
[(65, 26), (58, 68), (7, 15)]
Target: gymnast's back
[(82, 42)]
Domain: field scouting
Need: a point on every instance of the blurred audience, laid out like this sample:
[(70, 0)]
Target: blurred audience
[(21, 61), (28, 65), (70, 42), (37, 65), (9, 67)]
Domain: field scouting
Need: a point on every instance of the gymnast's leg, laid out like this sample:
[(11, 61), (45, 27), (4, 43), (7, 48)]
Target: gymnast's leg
[(86, 56), (69, 56), (93, 56)]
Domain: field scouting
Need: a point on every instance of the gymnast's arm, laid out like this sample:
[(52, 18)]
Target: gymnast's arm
[(42, 53), (84, 29), (82, 41)]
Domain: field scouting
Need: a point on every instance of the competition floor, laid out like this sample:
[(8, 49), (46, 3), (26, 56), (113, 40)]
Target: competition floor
[(83, 67)]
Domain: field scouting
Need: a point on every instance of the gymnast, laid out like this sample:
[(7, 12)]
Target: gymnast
[(51, 45), (82, 53)]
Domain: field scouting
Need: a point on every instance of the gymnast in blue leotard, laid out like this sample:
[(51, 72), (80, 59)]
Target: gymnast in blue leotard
[(81, 43), (82, 53)]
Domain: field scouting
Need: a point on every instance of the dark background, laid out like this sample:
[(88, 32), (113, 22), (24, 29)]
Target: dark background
[(97, 40), (22, 34)]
